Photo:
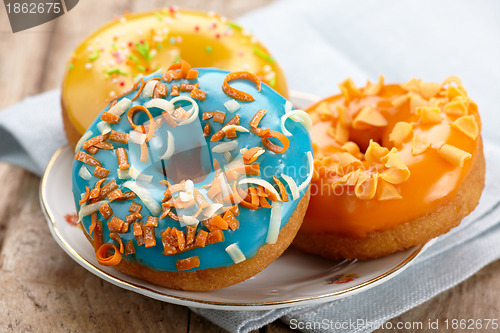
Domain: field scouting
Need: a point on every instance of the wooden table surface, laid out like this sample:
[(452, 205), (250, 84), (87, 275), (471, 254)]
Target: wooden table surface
[(42, 288)]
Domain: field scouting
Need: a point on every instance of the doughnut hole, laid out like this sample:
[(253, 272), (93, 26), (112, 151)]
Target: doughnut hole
[(362, 137), (188, 164), (190, 158)]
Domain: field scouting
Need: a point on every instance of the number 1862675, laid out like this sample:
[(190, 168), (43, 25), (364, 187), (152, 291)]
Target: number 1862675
[(33, 8)]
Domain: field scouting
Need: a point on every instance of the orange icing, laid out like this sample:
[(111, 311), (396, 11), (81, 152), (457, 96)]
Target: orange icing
[(387, 154), (106, 63)]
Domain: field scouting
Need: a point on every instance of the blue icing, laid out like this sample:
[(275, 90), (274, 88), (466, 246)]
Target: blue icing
[(190, 144)]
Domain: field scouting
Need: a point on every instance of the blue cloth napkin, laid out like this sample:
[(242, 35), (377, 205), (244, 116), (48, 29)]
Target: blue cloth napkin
[(320, 43), (31, 131)]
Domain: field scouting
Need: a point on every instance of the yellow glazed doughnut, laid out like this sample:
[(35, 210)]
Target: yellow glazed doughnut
[(104, 65), (395, 165)]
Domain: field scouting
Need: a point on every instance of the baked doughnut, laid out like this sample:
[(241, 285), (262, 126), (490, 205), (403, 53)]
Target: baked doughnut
[(104, 65), (186, 180), (395, 165)]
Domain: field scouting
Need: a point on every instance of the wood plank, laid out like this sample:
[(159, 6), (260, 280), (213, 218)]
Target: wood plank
[(21, 70), (10, 178), (20, 77), (230, 8)]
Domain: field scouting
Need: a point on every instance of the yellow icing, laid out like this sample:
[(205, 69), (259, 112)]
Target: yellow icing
[(105, 64)]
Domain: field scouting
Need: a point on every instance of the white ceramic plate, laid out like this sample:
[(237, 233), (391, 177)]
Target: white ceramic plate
[(293, 279)]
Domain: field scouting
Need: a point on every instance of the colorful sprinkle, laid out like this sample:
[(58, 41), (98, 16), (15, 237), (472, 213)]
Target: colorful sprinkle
[(177, 59), (235, 25), (263, 55), (141, 68), (159, 46), (272, 81), (117, 56), (116, 71), (88, 65), (71, 66), (133, 58), (208, 49), (159, 16), (143, 50)]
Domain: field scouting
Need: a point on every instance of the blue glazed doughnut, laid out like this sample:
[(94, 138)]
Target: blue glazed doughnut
[(163, 199)]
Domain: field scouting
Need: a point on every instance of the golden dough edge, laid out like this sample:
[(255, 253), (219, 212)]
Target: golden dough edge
[(217, 278), (417, 231), (72, 134)]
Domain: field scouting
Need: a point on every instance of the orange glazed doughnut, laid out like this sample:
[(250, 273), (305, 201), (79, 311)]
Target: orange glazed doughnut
[(105, 64), (395, 165), (196, 179)]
